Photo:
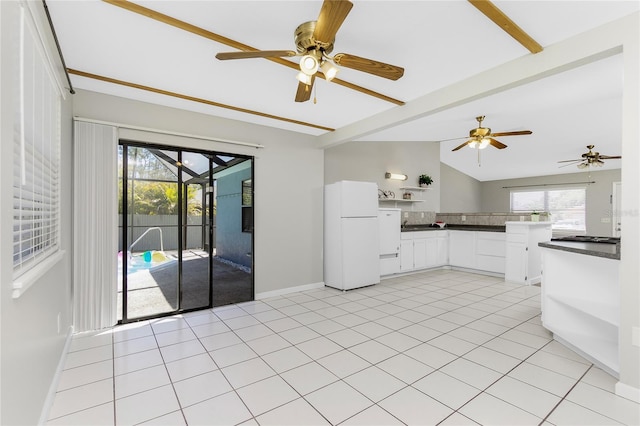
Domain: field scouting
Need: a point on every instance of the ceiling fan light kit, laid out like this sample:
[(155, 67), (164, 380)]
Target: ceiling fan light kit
[(590, 158), (481, 137), (314, 42)]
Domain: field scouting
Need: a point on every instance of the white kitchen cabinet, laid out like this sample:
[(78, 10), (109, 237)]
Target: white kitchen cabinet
[(523, 257), (406, 255), (420, 253), (490, 251), (442, 253), (462, 249)]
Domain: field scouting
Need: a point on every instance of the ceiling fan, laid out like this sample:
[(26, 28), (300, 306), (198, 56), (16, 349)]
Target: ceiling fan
[(314, 42), (481, 137), (590, 158)]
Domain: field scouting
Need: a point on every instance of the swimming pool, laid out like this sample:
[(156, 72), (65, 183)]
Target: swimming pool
[(146, 261)]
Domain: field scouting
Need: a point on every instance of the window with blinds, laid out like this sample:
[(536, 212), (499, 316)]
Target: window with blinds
[(36, 175)]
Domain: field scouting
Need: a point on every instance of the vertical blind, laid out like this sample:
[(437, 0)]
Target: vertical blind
[(36, 162)]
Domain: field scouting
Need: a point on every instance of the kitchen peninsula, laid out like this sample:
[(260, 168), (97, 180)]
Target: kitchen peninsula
[(581, 298)]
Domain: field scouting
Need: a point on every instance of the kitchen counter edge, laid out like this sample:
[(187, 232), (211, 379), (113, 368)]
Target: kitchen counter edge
[(609, 251), (485, 228)]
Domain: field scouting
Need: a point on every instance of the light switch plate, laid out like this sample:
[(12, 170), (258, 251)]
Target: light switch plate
[(406, 215), (605, 220), (463, 218)]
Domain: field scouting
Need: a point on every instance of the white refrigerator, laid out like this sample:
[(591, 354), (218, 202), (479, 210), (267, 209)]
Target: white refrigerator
[(351, 240)]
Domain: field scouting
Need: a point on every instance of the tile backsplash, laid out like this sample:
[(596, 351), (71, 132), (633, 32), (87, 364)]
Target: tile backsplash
[(495, 219)]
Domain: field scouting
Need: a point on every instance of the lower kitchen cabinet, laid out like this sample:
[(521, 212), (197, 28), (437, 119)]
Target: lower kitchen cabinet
[(524, 257), (421, 250), (462, 249), (406, 255)]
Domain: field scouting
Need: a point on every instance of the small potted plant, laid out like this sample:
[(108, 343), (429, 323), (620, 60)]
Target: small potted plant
[(535, 216), (424, 181)]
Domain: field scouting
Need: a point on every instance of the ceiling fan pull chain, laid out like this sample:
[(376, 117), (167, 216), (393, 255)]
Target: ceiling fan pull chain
[(315, 93)]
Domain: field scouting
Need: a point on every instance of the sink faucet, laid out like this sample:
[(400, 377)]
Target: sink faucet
[(404, 224)]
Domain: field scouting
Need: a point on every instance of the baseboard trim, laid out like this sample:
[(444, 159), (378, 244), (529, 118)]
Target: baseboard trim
[(628, 392), (288, 290), (53, 388)]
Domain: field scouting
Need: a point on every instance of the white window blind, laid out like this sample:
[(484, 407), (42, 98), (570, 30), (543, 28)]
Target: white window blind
[(36, 176)]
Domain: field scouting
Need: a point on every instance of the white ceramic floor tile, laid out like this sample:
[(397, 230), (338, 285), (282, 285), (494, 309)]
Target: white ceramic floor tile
[(326, 326), (510, 348), (489, 410), (140, 381), (81, 397), (85, 374), (347, 338), (558, 364), (200, 318), (296, 413), (543, 378), (372, 416), (372, 329), (446, 389), (420, 332), (375, 383), (92, 340), (176, 336), (101, 415), (286, 359), (495, 360), (210, 328), (601, 379), (267, 344), (373, 351), (282, 324), (338, 401), (128, 347), (267, 394), (350, 320), (457, 419), (393, 322), (470, 335), (439, 325), (471, 373), (343, 363), (253, 332), (175, 418), (415, 408), (570, 414), (398, 341), (247, 372), (559, 349), (232, 355), (319, 347), (223, 410), (182, 350), (309, 377), (189, 367), (430, 355), (165, 325), (146, 405), (452, 344), (606, 403), (299, 334), (270, 315), (405, 368), (131, 331), (88, 356), (524, 396), (199, 388)]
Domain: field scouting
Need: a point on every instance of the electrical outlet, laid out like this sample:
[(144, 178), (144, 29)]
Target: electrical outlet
[(422, 215), (463, 218), (605, 220), (406, 215)]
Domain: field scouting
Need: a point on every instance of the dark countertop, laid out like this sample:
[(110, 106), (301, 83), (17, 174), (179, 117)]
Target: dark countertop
[(610, 251), (486, 228)]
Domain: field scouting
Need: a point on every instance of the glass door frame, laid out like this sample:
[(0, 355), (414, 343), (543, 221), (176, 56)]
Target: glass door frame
[(125, 144)]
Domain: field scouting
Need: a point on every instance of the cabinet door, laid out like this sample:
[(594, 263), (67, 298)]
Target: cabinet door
[(406, 255), (442, 251), (420, 253), (516, 262), (462, 249), (432, 252)]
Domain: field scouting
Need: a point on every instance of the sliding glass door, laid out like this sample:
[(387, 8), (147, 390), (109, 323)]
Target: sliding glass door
[(170, 256)]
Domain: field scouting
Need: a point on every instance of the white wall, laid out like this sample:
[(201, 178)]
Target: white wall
[(459, 193), (368, 161), (496, 198), (31, 344), (288, 180)]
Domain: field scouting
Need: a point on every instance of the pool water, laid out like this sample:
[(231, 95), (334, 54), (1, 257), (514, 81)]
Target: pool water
[(146, 261)]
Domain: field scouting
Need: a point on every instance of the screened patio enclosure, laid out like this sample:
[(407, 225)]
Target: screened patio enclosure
[(180, 230)]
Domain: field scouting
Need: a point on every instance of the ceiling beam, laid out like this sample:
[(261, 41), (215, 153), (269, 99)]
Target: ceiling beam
[(194, 99), (166, 19), (492, 12)]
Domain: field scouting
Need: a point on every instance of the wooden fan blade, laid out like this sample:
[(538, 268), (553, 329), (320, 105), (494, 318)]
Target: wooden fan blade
[(496, 144), (370, 66), (462, 145), (570, 161), (492, 12), (516, 133), (608, 157), (303, 93), (223, 56), (332, 15)]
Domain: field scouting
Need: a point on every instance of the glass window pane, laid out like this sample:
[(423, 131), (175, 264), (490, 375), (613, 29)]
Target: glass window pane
[(527, 201)]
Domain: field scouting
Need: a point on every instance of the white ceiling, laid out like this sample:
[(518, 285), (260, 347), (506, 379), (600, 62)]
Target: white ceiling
[(438, 43)]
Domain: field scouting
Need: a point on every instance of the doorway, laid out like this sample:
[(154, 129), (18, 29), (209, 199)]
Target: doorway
[(171, 219)]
